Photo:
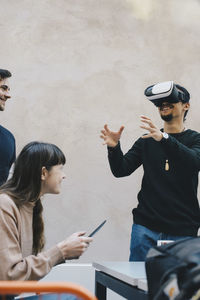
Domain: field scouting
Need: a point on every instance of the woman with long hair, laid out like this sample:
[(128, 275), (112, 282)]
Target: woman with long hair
[(38, 170)]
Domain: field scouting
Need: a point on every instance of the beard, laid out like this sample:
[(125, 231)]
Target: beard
[(167, 118), (2, 104)]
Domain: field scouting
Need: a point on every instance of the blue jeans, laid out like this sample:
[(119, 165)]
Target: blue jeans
[(142, 239)]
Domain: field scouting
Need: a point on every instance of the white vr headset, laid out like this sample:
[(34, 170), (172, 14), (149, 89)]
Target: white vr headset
[(165, 92)]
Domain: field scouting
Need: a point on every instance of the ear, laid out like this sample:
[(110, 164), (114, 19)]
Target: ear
[(44, 173), (186, 106)]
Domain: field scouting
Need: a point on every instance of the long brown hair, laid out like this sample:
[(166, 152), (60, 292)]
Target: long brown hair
[(25, 184)]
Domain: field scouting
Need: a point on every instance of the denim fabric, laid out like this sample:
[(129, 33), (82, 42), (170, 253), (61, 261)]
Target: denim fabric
[(142, 239), (7, 297), (51, 297)]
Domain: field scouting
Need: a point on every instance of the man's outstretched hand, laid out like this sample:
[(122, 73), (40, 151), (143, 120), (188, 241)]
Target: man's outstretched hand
[(153, 131), (111, 138)]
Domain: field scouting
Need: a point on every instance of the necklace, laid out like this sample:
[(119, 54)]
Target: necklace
[(166, 165)]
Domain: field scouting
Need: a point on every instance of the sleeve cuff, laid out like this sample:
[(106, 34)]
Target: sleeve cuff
[(163, 141), (55, 256), (112, 149)]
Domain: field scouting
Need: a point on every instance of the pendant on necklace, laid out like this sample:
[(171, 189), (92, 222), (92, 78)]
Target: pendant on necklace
[(166, 165)]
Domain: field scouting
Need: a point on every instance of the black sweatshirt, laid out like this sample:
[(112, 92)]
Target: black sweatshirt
[(168, 199), (7, 153)]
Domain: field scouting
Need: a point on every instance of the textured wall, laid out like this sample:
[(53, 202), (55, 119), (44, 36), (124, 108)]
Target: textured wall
[(78, 64)]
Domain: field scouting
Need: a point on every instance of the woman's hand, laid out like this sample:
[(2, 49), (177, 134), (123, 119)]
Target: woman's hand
[(75, 245)]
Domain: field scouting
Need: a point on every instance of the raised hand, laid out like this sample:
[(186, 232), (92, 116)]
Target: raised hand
[(154, 132), (75, 245), (111, 138)]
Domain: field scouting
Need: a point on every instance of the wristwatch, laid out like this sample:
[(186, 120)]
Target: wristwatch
[(165, 135)]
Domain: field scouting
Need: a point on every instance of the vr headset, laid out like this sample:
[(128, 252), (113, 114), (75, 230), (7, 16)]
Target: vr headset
[(165, 92)]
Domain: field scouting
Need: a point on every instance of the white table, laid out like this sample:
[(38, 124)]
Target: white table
[(142, 284), (121, 277)]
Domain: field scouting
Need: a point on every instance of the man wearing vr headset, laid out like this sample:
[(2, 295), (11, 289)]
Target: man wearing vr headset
[(168, 207)]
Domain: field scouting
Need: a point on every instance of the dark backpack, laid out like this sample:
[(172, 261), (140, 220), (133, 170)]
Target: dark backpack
[(173, 270)]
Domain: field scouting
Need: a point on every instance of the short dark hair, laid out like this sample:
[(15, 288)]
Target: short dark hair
[(5, 74), (186, 97)]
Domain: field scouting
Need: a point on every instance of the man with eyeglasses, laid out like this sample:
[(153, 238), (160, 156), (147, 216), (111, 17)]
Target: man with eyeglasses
[(7, 140), (168, 207)]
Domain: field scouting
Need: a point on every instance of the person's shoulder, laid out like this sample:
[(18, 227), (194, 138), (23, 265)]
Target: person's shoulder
[(7, 132), (192, 137), (191, 132), (7, 203)]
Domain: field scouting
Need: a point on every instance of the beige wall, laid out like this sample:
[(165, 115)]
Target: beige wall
[(78, 64)]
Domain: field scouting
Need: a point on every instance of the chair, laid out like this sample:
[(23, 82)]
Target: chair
[(17, 287)]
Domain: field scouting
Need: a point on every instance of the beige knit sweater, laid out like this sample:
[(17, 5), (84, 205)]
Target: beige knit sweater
[(16, 259)]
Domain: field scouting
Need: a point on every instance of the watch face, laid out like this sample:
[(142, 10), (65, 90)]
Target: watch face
[(165, 135)]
